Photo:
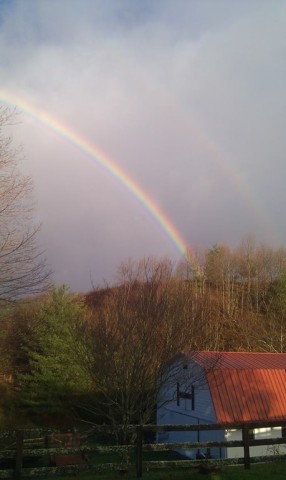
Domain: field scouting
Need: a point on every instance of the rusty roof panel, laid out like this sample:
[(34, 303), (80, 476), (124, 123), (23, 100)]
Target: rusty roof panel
[(239, 360), (248, 395)]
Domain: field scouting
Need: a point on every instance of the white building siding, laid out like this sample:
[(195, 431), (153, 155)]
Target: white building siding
[(190, 412), (261, 450)]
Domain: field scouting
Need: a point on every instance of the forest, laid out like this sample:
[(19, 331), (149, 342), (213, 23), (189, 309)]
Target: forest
[(98, 356)]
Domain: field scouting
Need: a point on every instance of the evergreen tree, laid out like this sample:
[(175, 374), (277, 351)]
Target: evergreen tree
[(56, 375)]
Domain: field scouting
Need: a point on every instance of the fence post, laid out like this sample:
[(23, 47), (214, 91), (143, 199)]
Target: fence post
[(245, 439), (19, 453), (139, 442)]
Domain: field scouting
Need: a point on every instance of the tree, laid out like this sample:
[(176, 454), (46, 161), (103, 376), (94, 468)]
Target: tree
[(135, 330), (55, 353), (274, 338), (22, 266)]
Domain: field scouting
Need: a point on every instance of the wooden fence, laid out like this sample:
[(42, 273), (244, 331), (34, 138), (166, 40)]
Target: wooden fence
[(35, 444)]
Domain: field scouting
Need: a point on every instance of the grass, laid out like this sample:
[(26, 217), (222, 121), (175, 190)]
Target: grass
[(268, 471)]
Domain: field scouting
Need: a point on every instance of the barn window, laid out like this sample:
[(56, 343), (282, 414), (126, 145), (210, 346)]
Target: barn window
[(283, 432), (186, 396)]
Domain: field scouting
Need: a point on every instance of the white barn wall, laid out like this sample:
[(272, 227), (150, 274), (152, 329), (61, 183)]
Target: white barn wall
[(203, 413), (256, 451)]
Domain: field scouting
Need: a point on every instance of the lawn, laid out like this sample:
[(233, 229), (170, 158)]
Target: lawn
[(267, 471)]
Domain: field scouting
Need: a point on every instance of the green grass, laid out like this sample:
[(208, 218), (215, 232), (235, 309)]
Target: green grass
[(267, 471)]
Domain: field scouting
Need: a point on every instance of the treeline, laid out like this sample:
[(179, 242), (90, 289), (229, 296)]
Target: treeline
[(102, 357), (239, 296)]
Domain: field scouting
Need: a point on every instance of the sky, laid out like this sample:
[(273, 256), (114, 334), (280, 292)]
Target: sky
[(186, 97)]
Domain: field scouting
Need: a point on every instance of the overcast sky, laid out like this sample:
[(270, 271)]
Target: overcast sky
[(187, 96)]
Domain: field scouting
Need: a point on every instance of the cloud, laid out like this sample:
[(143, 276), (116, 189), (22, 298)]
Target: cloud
[(187, 97)]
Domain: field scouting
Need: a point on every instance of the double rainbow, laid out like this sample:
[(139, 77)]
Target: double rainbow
[(102, 159)]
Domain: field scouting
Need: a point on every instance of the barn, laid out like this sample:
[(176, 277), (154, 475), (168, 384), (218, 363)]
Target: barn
[(223, 388)]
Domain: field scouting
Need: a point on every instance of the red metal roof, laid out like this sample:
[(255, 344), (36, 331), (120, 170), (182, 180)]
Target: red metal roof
[(248, 395), (240, 360), (246, 387)]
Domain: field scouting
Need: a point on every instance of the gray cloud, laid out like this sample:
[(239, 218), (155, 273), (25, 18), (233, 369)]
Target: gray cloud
[(187, 96)]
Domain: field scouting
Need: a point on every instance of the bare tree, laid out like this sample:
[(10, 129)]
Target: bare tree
[(134, 332), (22, 266)]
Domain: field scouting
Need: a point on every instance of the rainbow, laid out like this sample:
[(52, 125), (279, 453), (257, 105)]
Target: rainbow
[(102, 159)]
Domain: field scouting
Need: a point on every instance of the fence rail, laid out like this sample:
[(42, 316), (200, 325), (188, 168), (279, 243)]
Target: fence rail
[(26, 445)]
